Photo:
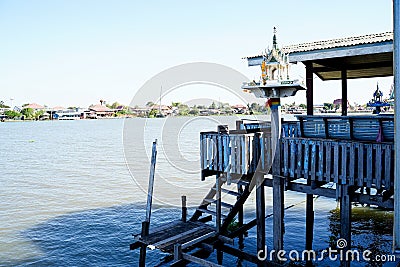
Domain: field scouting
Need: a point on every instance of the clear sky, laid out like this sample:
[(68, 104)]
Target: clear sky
[(74, 53)]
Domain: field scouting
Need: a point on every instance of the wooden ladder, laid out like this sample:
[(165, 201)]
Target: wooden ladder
[(211, 207)]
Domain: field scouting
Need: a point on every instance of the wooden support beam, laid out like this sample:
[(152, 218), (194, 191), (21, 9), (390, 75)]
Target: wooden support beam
[(218, 184), (177, 252), (151, 181), (240, 218), (310, 88), (199, 261), (220, 256), (184, 209), (145, 232), (345, 220), (309, 224), (178, 237), (260, 213), (198, 240), (240, 254), (278, 211), (247, 256), (344, 92)]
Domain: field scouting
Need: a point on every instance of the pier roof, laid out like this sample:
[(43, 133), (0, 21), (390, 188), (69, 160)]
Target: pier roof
[(362, 56)]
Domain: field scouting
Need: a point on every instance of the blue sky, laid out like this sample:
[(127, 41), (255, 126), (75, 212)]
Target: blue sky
[(69, 52)]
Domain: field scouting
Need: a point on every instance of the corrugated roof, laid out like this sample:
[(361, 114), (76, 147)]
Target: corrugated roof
[(99, 108), (334, 43), (34, 106)]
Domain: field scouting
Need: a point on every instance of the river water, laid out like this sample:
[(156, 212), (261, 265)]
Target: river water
[(73, 193)]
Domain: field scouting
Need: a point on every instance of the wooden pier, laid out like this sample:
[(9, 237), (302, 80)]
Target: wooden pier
[(347, 158), (357, 171)]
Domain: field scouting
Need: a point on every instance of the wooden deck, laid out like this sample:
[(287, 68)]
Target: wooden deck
[(166, 236)]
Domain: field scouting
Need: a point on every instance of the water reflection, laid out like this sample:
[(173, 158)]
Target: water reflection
[(371, 230)]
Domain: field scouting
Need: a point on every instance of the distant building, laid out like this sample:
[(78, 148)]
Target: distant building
[(101, 111), (239, 109), (34, 106)]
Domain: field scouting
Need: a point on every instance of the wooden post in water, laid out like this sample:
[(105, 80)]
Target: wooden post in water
[(345, 222), (184, 209), (260, 214), (309, 197), (240, 218), (218, 184), (146, 223), (151, 181)]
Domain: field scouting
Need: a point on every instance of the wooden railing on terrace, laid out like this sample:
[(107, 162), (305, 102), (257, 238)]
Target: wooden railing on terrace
[(364, 157), (235, 153), (342, 162)]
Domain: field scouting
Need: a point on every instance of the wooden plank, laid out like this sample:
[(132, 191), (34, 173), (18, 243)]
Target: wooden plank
[(292, 157), (388, 161), (299, 157), (313, 159), (215, 153), (351, 163), (321, 161), (306, 158), (177, 237), (233, 153), (344, 163), (285, 157), (200, 261), (360, 176), (210, 146), (211, 212), (243, 159), (220, 160), (198, 240), (335, 162), (268, 153), (378, 165), (369, 165), (262, 153), (328, 155), (202, 151)]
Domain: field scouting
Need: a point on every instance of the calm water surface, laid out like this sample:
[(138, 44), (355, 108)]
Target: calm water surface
[(73, 192)]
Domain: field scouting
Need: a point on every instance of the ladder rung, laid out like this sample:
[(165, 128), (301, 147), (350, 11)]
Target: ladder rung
[(211, 212), (241, 182), (226, 205), (233, 193), (214, 201)]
